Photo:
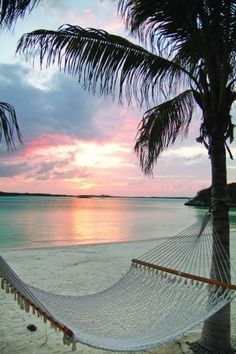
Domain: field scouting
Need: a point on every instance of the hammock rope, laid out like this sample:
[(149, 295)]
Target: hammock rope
[(166, 292)]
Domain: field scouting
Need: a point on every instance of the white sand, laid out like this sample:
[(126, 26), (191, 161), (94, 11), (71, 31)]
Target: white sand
[(70, 270)]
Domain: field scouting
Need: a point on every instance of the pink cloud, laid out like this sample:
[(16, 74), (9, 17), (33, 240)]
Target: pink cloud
[(44, 142)]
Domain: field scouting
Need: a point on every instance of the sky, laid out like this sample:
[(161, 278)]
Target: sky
[(77, 143)]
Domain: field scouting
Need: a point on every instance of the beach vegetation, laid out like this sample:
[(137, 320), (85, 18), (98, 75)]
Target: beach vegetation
[(203, 197)]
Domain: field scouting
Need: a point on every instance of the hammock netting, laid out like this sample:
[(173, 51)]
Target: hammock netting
[(166, 292)]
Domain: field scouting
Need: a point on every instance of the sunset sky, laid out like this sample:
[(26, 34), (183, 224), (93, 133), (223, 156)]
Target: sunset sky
[(76, 143)]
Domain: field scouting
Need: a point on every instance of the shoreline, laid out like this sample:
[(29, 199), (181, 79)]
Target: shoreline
[(93, 244), (75, 270)]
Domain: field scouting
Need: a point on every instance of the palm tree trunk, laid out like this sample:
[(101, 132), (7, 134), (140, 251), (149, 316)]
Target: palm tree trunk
[(215, 336)]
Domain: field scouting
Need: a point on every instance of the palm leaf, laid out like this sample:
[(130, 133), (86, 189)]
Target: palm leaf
[(176, 20), (11, 10), (159, 22), (8, 125), (161, 126), (103, 62)]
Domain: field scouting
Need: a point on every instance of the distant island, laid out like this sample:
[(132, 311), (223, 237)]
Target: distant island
[(15, 194), (26, 194), (203, 197)]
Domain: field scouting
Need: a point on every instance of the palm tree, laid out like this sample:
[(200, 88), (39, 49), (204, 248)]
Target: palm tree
[(10, 11), (189, 61)]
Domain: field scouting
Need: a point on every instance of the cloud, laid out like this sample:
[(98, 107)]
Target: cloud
[(36, 168), (63, 108), (58, 170), (12, 169), (188, 154), (54, 157)]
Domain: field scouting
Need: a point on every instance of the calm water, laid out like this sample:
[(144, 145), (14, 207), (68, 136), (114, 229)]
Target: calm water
[(44, 222)]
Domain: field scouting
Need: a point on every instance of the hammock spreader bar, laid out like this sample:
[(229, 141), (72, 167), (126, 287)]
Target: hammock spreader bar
[(185, 275)]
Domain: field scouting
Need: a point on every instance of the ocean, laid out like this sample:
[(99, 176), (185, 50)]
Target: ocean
[(37, 222)]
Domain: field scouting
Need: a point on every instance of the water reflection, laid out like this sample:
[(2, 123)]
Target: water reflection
[(97, 221)]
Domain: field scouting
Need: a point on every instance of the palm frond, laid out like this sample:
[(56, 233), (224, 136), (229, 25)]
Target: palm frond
[(160, 21), (161, 126), (11, 10), (103, 62), (8, 125), (169, 24)]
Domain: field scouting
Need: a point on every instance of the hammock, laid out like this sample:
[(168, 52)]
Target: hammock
[(166, 292)]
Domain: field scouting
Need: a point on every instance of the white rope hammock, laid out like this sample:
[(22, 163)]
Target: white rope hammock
[(169, 290)]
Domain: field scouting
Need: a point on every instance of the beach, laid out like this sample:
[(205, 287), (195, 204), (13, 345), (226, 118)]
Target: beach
[(75, 270)]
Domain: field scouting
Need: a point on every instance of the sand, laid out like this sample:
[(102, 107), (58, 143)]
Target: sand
[(70, 270)]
